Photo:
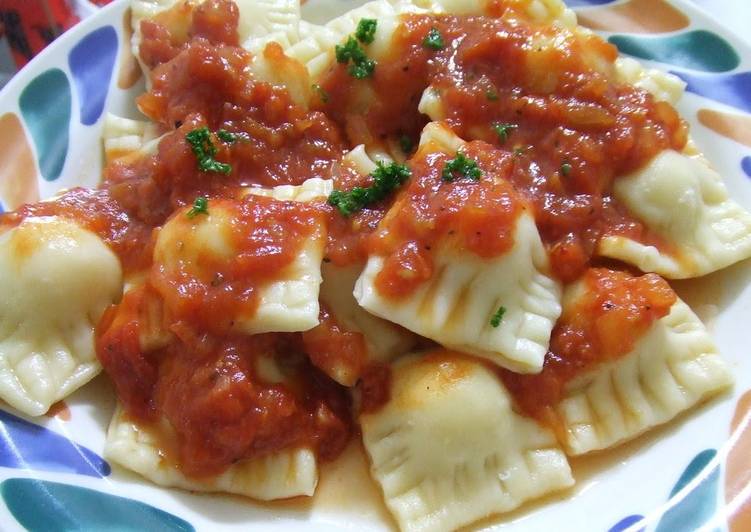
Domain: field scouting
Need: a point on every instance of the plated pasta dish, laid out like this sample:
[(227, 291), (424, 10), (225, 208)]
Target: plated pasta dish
[(445, 228)]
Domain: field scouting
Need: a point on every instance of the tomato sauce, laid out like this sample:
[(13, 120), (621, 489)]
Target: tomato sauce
[(339, 353), (100, 213), (209, 389), (611, 314), (263, 236), (573, 130), (465, 215), (170, 346)]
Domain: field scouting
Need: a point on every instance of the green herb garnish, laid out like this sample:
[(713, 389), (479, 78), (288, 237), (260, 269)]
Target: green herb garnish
[(565, 169), (519, 151), (226, 136), (362, 69), (433, 40), (386, 179), (361, 66), (496, 319), (205, 151), (406, 144), (366, 29), (461, 166), (503, 130), (491, 95), (322, 94), (200, 206)]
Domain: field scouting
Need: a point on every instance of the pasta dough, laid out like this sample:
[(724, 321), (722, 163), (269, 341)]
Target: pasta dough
[(385, 341), (316, 49), (682, 200), (674, 366), (277, 476), (56, 280), (124, 138), (286, 305), (260, 21), (455, 305), (448, 449)]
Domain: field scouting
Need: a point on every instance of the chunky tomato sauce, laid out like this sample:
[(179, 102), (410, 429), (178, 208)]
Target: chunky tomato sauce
[(170, 345), (611, 314), (337, 351), (572, 129), (100, 213), (262, 238), (465, 215), (211, 391)]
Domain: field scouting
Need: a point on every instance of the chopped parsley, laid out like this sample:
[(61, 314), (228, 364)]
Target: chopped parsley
[(386, 179), (226, 136), (200, 206), (366, 29), (461, 166), (361, 66), (362, 69), (491, 95), (497, 318), (406, 144), (565, 169), (348, 51), (503, 130), (322, 94), (205, 151), (433, 40)]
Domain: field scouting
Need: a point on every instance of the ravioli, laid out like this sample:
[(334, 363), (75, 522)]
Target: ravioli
[(454, 307), (662, 85), (125, 138), (56, 279), (671, 368), (448, 448), (682, 200), (316, 49), (260, 21), (385, 341), (139, 448), (286, 304)]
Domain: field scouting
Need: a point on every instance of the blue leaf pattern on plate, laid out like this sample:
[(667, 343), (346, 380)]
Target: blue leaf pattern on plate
[(91, 62), (45, 106), (626, 522), (25, 445), (43, 505), (699, 505), (746, 165), (731, 89)]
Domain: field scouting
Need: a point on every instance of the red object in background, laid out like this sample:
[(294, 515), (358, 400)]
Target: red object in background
[(30, 25)]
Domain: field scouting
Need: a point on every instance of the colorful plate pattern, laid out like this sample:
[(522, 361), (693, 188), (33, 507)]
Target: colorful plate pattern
[(694, 473)]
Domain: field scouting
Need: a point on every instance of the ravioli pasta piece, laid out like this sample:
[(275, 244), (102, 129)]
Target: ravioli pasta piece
[(314, 188), (260, 21), (316, 49), (264, 21), (126, 138), (681, 199), (288, 304), (537, 11), (454, 307), (139, 448), (448, 448), (662, 85), (385, 341), (56, 279), (672, 368)]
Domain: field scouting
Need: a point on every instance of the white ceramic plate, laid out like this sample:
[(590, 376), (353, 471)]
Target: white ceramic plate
[(676, 478)]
